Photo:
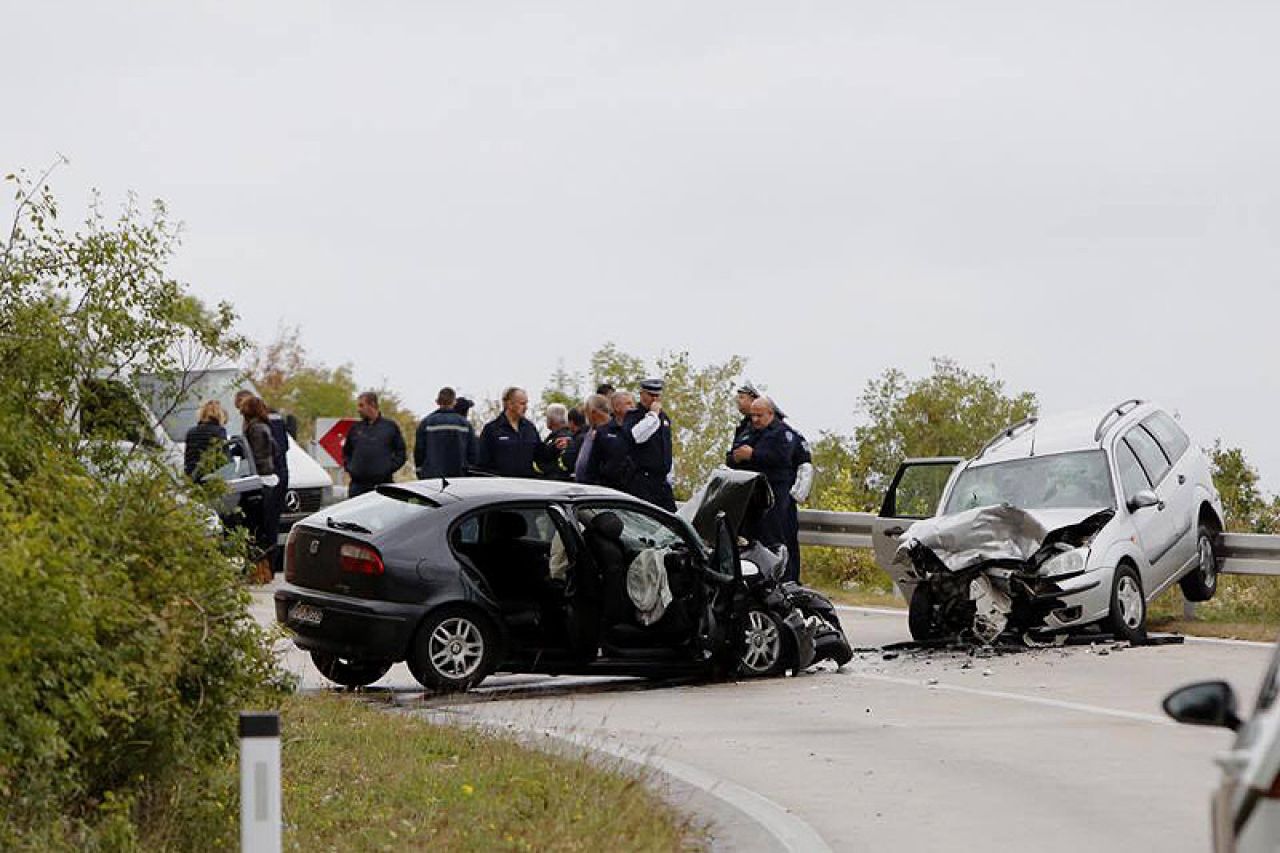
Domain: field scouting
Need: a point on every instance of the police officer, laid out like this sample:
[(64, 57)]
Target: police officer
[(444, 442), (650, 433), (770, 450), (802, 483), (747, 393), (509, 444), (802, 462)]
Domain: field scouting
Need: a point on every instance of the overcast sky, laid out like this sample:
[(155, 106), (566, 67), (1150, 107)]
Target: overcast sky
[(1082, 195)]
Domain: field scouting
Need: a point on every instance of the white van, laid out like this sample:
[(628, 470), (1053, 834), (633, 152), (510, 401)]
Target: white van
[(310, 486)]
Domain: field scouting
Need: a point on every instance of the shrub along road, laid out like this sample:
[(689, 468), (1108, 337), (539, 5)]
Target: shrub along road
[(1055, 749)]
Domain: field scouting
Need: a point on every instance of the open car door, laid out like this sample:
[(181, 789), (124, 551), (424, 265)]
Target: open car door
[(239, 474), (722, 580), (582, 590), (913, 494)]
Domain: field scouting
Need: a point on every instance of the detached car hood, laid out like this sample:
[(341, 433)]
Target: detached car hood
[(1001, 532), (738, 494)]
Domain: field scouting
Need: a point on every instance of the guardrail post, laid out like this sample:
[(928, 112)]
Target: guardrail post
[(260, 782), (1189, 610)]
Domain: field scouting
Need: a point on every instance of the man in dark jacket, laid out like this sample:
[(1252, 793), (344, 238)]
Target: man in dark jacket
[(509, 444), (445, 442), (374, 449), (556, 464), (769, 450)]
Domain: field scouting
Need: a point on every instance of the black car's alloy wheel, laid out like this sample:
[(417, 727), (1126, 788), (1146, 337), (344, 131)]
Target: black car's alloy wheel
[(349, 673), (454, 650), (763, 644)]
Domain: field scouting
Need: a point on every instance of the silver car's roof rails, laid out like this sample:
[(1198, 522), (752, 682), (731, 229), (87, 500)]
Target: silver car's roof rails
[(1006, 433), (1118, 412)]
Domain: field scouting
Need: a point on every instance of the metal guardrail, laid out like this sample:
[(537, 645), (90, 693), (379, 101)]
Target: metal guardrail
[(1242, 553)]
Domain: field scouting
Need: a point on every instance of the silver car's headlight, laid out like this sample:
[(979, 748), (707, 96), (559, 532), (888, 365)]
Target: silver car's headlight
[(1068, 561), (748, 568)]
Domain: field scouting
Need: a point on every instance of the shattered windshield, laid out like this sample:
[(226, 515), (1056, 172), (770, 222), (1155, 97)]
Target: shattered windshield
[(1061, 480)]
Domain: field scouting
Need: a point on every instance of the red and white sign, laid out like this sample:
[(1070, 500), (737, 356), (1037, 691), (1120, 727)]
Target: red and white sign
[(331, 433)]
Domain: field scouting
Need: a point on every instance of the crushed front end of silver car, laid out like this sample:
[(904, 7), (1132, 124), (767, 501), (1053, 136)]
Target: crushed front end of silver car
[(978, 574)]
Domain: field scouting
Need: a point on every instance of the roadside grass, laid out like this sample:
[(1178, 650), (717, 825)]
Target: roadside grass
[(357, 777)]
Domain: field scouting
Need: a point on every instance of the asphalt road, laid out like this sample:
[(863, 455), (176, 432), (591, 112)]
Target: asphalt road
[(1054, 749)]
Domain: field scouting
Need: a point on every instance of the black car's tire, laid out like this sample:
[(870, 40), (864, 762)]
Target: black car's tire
[(349, 673), (1202, 582), (454, 650), (921, 620), (1127, 618), (764, 649)]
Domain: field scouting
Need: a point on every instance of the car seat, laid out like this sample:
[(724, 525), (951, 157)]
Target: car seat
[(603, 537), (516, 572)]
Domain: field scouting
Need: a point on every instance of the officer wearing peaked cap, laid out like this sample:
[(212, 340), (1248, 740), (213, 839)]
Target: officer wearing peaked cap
[(650, 448), (801, 464)]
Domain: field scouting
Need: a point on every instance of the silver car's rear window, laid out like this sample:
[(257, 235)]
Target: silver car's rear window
[(376, 511), (1061, 480)]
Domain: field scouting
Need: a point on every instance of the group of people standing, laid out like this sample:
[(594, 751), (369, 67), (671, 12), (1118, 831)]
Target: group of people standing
[(611, 440), (267, 435)]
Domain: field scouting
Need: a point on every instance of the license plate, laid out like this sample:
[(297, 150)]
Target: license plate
[(305, 614)]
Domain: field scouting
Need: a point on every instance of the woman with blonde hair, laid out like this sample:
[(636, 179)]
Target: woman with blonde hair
[(209, 430)]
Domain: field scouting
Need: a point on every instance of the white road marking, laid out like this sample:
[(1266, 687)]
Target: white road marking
[(791, 832), (1060, 704)]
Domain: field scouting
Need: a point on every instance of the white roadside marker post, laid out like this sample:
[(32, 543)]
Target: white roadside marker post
[(260, 782)]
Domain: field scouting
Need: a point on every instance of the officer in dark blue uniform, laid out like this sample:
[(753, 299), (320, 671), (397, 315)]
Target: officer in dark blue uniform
[(801, 483), (770, 450), (649, 429), (802, 463), (747, 394), (509, 444), (609, 463)]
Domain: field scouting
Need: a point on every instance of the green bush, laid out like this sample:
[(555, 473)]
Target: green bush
[(848, 569), (126, 645), (126, 648)]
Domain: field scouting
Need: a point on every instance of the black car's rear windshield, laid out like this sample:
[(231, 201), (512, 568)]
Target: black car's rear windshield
[(1060, 480), (380, 510)]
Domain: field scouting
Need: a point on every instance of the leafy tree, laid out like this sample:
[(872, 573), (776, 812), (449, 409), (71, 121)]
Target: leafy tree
[(698, 399), (291, 381), (1247, 509), (565, 388), (126, 646), (951, 412), (700, 402), (621, 370)]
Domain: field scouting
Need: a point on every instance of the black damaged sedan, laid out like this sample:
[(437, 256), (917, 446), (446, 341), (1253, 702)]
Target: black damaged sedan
[(466, 577)]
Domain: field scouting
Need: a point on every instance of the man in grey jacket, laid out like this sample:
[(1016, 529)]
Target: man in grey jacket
[(374, 449)]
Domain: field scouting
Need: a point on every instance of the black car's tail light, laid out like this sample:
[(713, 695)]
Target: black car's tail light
[(291, 555), (360, 560)]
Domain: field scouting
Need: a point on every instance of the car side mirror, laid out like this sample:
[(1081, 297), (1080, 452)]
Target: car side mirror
[(1205, 703), (1142, 500)]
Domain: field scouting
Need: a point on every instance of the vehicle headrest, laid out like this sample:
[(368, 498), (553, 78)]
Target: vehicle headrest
[(504, 526), (606, 524)]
